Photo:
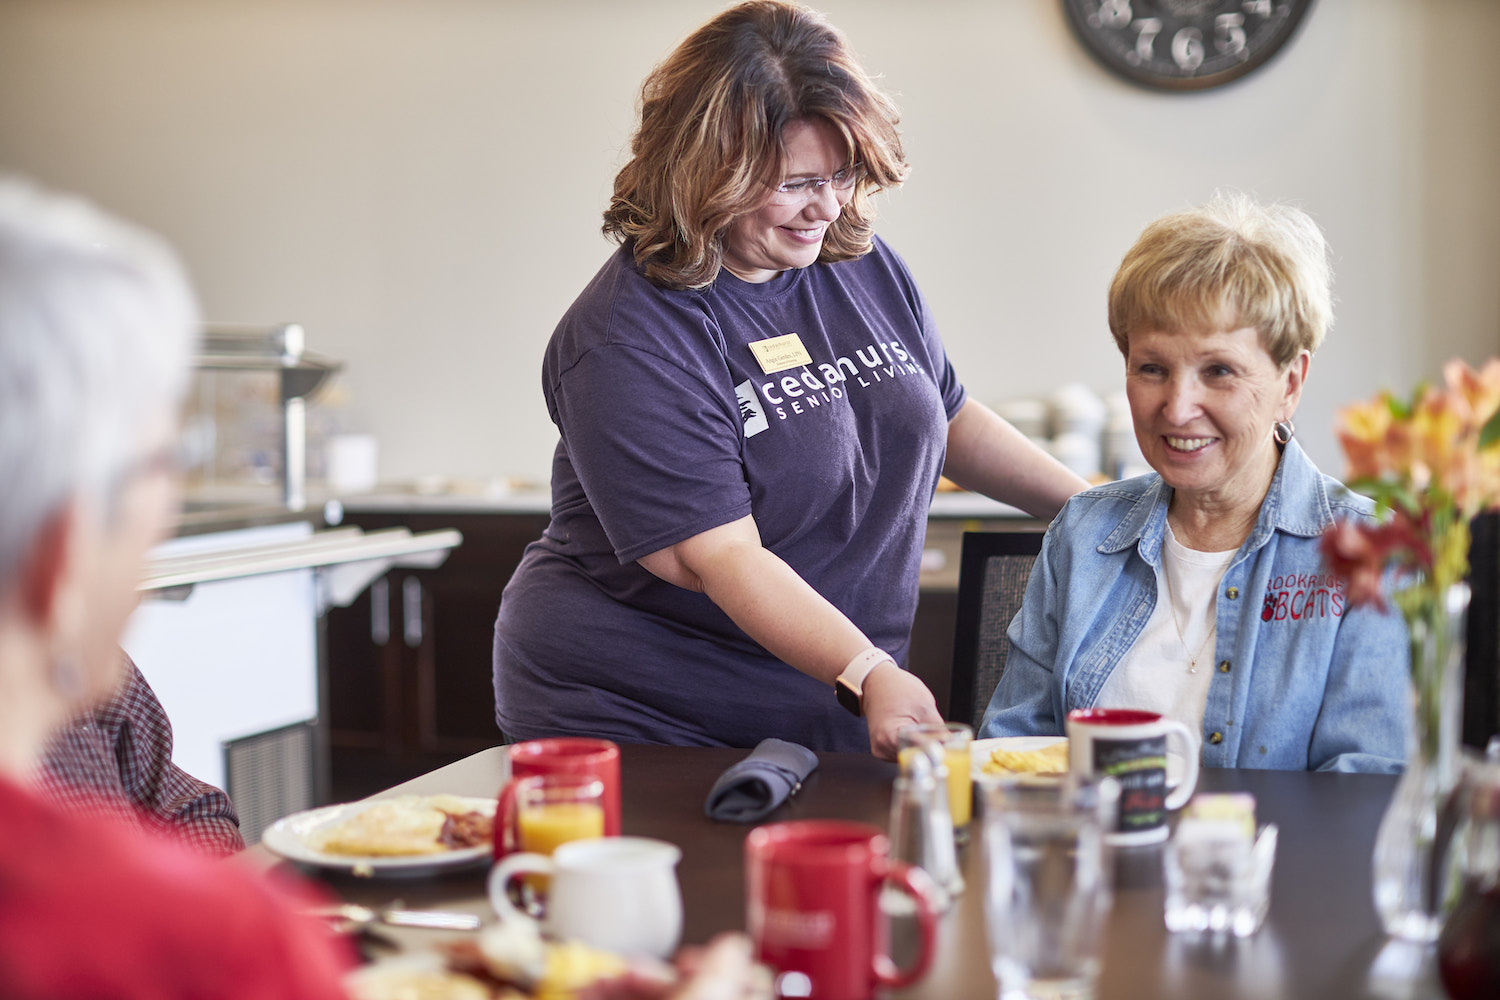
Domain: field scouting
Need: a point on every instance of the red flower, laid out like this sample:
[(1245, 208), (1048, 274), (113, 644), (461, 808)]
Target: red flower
[(1358, 552)]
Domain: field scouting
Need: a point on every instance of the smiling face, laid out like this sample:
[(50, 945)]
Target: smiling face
[(1204, 405), (761, 244)]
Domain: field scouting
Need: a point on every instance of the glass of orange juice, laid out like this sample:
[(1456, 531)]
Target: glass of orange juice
[(553, 809), (950, 740)]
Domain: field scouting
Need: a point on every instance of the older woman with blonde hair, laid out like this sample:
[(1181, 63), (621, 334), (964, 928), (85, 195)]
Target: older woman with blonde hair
[(1198, 591), (754, 408)]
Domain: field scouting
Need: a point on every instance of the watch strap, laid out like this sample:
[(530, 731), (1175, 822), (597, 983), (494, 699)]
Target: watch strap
[(850, 684)]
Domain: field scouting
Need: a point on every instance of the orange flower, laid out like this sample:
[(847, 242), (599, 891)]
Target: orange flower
[(1440, 448), (1364, 430), (1424, 464), (1476, 394)]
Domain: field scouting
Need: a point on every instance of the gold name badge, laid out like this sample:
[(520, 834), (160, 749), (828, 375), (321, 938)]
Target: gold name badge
[(777, 354)]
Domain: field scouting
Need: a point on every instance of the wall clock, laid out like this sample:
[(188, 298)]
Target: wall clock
[(1184, 44)]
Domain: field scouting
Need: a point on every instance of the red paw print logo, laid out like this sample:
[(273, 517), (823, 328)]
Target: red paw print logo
[(1268, 607)]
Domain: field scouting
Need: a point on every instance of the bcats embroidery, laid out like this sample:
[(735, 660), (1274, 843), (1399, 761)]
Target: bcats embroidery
[(1296, 596)]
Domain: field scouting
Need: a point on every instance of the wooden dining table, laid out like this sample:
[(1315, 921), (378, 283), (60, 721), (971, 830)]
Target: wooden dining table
[(1321, 940)]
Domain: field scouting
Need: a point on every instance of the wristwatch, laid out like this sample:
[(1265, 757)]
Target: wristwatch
[(850, 684)]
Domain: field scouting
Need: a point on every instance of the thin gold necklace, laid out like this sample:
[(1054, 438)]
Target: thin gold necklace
[(1166, 575)]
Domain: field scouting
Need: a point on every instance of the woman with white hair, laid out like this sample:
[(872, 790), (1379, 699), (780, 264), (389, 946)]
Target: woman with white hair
[(96, 326)]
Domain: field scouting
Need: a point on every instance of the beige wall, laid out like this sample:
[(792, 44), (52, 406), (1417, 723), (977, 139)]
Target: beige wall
[(420, 181)]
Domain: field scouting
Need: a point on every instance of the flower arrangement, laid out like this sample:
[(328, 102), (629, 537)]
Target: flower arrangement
[(1431, 463)]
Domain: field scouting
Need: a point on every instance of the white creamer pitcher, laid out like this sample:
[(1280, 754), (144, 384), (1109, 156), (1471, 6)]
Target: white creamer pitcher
[(619, 894)]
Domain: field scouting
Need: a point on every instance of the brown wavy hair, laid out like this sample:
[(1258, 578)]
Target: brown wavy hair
[(712, 117)]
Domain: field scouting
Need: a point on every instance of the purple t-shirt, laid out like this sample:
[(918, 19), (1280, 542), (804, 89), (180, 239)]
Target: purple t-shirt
[(669, 427)]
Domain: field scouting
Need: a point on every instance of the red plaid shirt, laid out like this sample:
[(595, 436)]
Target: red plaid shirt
[(117, 761)]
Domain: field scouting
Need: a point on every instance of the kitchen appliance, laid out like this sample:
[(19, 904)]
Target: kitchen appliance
[(279, 351)]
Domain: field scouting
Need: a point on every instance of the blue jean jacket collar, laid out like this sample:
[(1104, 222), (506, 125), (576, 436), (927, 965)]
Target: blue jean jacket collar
[(1295, 477)]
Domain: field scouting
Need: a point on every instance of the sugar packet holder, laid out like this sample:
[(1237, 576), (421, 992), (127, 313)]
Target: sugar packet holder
[(1217, 867)]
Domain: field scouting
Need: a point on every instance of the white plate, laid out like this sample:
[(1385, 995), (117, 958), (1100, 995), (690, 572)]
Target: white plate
[(288, 838), (980, 750)]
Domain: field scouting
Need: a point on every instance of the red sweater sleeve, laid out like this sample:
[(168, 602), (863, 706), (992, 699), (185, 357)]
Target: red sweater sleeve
[(91, 909)]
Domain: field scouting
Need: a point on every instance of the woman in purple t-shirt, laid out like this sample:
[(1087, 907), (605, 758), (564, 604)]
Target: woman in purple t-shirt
[(754, 410)]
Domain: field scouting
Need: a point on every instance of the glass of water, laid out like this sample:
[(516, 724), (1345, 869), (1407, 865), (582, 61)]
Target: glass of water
[(1048, 883)]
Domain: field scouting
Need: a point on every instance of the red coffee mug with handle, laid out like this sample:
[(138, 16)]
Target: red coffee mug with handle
[(813, 897), (559, 755)]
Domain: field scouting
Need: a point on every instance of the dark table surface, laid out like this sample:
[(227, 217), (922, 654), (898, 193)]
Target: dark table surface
[(1321, 940)]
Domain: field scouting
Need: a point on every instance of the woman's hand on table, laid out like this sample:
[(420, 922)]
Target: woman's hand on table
[(894, 698), (721, 970)]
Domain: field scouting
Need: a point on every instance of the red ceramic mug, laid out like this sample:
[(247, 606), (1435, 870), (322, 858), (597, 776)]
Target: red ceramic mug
[(560, 755), (813, 898)]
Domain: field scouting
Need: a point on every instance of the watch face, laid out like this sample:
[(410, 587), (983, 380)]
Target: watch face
[(847, 697), (1184, 44)]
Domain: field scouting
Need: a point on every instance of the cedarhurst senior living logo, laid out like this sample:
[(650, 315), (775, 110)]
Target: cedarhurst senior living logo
[(789, 395)]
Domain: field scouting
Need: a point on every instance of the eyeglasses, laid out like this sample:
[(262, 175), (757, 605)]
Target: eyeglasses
[(802, 190)]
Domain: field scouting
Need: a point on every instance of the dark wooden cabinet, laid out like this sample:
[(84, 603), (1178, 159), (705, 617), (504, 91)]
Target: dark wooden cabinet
[(408, 676)]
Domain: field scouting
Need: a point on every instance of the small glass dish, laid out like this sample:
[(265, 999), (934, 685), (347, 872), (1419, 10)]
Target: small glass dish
[(1218, 878)]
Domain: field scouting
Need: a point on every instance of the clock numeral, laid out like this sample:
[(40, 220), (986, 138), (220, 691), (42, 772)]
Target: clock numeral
[(1229, 34), (1112, 14), (1149, 28), (1261, 7), (1187, 49)]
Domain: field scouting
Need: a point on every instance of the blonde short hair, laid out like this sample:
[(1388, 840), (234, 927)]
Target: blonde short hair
[(710, 138), (1230, 264)]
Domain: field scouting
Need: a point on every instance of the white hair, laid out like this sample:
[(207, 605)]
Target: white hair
[(97, 325)]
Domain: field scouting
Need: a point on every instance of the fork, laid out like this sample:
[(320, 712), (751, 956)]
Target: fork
[(352, 917)]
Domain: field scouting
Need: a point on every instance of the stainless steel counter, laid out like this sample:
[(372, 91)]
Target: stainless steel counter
[(479, 500), (209, 517)]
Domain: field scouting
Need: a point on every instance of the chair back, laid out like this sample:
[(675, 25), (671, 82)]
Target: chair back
[(992, 572)]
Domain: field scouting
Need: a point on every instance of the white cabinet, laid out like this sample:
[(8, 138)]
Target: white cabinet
[(227, 635), (233, 657)]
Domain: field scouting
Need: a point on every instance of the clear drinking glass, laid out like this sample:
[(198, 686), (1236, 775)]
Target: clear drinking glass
[(555, 809), (1048, 883), (951, 740)]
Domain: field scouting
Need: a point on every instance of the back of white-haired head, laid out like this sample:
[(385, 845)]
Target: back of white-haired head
[(97, 324)]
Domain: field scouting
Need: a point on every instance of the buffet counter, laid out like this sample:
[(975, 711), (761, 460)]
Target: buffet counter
[(228, 636)]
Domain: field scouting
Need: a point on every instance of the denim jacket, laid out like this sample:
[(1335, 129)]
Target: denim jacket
[(1301, 681)]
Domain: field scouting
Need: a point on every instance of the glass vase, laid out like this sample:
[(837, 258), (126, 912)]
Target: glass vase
[(1411, 875)]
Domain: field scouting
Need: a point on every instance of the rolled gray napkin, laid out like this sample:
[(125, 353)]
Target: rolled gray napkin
[(748, 790)]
